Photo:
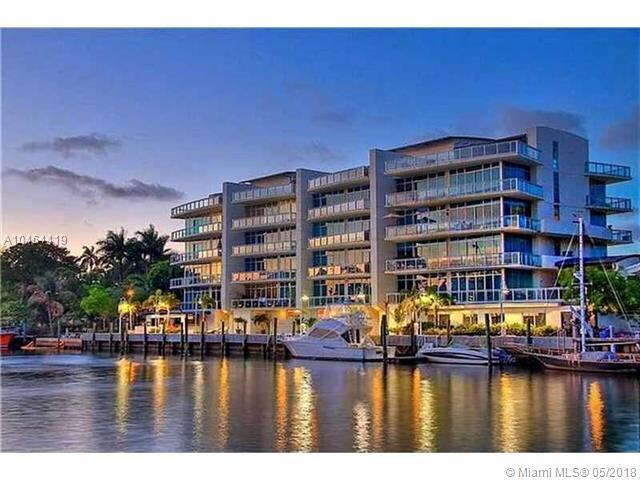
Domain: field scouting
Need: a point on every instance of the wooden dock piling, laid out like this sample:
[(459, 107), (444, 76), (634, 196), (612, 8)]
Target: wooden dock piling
[(144, 338), (275, 338), (383, 338), (487, 326), (110, 336), (202, 345)]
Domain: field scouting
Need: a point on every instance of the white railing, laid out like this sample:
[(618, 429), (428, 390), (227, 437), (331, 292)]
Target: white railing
[(211, 227), (540, 294), (339, 239), (203, 203), (261, 193), (411, 197), (200, 255), (263, 302), (444, 263), (340, 270), (196, 280), (343, 177), (358, 299), (355, 206), (264, 248), (264, 220), (454, 226), (264, 276), (459, 155)]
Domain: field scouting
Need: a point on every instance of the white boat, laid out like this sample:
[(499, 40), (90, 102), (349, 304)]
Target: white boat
[(457, 354), (340, 338)]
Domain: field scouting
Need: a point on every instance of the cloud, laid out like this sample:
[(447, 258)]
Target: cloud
[(318, 106), (92, 187), (515, 119), (69, 146), (623, 134), (312, 153)]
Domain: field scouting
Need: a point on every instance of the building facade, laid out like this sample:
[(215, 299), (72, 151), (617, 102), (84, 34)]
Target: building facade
[(484, 220)]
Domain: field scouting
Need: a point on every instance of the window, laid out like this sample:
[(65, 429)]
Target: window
[(537, 320), (470, 319)]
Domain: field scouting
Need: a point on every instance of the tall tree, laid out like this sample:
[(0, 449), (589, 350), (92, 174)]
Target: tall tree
[(114, 251), (152, 245), (89, 260)]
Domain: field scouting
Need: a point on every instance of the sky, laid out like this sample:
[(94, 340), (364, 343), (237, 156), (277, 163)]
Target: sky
[(110, 128)]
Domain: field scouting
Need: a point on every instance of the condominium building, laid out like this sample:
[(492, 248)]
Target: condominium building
[(485, 220)]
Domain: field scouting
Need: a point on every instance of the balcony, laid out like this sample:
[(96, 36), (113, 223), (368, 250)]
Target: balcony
[(358, 299), (260, 303), (265, 193), (195, 281), (340, 210), (607, 172), (192, 258), (197, 208), (420, 264), (609, 204), (515, 151), (199, 232), (621, 236), (275, 220), (515, 187), (344, 178), (272, 248), (514, 295), (264, 276), (196, 307), (416, 231), (357, 270), (354, 239)]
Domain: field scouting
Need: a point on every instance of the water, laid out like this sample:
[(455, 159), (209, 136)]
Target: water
[(97, 403)]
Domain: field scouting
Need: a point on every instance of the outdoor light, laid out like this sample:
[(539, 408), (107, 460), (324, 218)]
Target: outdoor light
[(304, 298)]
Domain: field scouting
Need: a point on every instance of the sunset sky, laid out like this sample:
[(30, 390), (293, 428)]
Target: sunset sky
[(110, 128)]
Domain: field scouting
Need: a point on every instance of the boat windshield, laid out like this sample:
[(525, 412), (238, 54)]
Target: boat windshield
[(322, 333)]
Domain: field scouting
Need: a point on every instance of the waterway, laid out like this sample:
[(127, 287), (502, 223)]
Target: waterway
[(93, 403)]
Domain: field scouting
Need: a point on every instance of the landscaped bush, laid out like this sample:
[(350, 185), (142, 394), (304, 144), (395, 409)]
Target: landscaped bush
[(516, 329), (545, 331), (476, 329)]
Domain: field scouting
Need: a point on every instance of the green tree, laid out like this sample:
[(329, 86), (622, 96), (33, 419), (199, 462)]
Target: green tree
[(262, 320), (115, 252), (152, 245), (100, 302), (89, 260)]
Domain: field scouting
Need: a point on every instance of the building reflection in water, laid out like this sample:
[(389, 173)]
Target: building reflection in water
[(198, 403), (510, 433), (423, 408), (282, 406), (361, 424), (596, 410), (160, 374), (304, 432), (126, 373), (377, 408), (223, 404)]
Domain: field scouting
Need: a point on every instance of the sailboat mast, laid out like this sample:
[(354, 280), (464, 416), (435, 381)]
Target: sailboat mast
[(583, 317)]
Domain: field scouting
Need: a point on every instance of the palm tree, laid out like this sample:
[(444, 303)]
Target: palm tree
[(114, 251), (152, 245), (436, 301), (206, 302), (89, 259), (262, 319)]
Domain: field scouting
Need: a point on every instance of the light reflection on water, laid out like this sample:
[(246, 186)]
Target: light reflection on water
[(97, 403)]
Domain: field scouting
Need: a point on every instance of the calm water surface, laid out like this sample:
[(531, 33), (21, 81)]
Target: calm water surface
[(93, 403)]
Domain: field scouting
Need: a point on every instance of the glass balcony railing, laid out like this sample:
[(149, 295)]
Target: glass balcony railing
[(264, 248), (264, 193), (355, 206), (190, 208), (460, 155), (243, 223), (607, 170), (416, 197), (454, 227), (340, 270), (541, 294), (611, 204), (195, 281), (421, 264), (197, 307), (344, 177), (263, 302), (264, 276), (196, 257), (197, 231), (621, 236), (358, 299), (339, 239)]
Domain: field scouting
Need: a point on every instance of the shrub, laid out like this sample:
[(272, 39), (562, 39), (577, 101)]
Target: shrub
[(516, 329), (545, 331)]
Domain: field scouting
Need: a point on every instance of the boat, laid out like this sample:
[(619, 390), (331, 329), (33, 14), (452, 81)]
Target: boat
[(459, 354), (339, 338), (594, 355)]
